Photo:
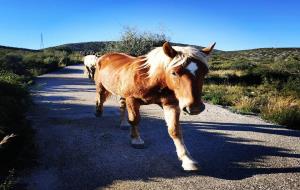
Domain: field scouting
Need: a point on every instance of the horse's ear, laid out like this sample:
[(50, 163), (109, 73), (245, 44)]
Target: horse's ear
[(209, 49), (169, 51)]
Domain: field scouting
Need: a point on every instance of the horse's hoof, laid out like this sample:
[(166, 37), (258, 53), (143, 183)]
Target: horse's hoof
[(98, 114), (124, 125), (137, 143), (190, 166)]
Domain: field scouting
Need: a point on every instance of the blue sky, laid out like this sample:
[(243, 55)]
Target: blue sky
[(232, 24)]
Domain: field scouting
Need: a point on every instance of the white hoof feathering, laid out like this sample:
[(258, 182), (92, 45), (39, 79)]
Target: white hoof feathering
[(189, 165), (137, 141)]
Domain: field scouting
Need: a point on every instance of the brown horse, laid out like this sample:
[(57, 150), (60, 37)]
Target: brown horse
[(171, 77)]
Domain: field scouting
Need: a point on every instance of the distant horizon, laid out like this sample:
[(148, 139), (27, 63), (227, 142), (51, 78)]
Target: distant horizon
[(169, 41), (232, 24)]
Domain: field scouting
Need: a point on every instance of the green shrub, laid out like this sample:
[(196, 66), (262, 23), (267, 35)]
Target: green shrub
[(12, 62), (17, 68), (292, 87), (289, 117), (218, 95), (137, 43), (14, 101)]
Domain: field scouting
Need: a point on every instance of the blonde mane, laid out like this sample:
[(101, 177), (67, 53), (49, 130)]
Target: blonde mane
[(157, 58)]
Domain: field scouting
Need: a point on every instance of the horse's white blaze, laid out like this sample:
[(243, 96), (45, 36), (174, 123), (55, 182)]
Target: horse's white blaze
[(192, 67)]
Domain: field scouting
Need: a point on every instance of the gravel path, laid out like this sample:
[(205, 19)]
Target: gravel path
[(79, 151)]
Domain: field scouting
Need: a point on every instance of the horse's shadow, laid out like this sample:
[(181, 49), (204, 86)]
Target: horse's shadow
[(111, 158), (227, 157)]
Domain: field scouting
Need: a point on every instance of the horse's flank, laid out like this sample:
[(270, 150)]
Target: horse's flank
[(125, 76)]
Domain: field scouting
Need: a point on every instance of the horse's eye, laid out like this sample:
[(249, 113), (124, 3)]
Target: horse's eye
[(174, 74)]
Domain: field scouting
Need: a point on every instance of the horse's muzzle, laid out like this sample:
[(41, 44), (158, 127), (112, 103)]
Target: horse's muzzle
[(191, 110)]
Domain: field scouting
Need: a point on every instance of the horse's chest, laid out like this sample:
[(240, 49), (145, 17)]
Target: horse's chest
[(158, 96)]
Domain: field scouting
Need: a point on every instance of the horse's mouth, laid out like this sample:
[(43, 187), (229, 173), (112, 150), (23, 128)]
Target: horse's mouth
[(187, 113), (191, 111)]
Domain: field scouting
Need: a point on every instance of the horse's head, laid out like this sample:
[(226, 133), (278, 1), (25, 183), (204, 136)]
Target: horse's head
[(185, 75)]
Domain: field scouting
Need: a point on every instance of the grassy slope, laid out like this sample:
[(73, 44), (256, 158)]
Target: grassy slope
[(264, 81), (98, 46)]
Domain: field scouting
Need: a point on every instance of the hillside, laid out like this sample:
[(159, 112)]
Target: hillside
[(83, 46), (262, 81), (9, 49), (99, 46), (264, 64)]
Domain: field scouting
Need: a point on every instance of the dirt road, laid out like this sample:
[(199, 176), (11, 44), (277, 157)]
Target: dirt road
[(76, 150)]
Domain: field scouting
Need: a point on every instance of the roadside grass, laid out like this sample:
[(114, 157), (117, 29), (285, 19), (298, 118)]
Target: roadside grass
[(265, 82), (283, 110), (263, 101)]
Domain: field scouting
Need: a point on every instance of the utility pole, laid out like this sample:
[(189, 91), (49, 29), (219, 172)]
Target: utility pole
[(42, 42)]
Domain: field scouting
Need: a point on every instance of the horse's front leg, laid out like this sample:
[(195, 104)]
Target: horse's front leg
[(93, 70), (88, 71), (172, 114), (85, 73), (134, 117)]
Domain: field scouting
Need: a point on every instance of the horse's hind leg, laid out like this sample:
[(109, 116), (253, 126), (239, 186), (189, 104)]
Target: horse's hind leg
[(89, 72), (134, 118), (101, 95), (93, 70), (86, 72), (123, 119)]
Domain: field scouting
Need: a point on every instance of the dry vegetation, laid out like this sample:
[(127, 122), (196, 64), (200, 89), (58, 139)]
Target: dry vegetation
[(260, 81)]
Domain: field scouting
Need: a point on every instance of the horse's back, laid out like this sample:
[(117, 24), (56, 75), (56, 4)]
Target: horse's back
[(90, 60), (116, 60), (113, 69)]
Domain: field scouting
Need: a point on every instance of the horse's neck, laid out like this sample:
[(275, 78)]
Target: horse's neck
[(156, 81), (145, 81)]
